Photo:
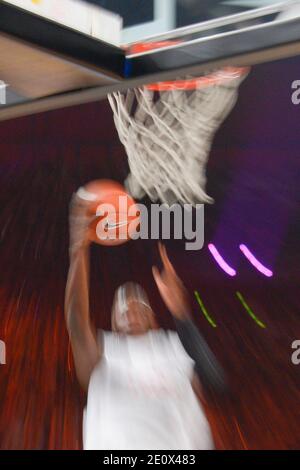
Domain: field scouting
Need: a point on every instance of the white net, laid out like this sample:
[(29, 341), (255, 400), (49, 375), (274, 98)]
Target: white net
[(168, 137)]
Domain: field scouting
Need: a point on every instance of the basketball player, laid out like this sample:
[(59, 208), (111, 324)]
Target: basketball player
[(140, 379)]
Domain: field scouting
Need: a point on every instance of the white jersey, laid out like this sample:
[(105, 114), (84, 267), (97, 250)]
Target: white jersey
[(140, 396)]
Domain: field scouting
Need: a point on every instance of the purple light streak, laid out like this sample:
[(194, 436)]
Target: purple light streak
[(257, 264), (221, 262)]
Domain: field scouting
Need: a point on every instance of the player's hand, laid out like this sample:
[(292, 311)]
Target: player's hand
[(171, 288), (79, 221)]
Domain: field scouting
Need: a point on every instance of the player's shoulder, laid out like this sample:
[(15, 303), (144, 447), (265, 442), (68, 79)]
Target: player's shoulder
[(112, 344), (106, 337), (171, 340), (176, 345)]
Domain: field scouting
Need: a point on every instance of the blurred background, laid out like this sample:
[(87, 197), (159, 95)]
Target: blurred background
[(253, 175)]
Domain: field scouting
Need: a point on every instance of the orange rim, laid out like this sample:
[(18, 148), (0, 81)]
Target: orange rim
[(220, 76)]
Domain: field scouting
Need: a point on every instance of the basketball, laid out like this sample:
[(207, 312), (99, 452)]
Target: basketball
[(116, 214)]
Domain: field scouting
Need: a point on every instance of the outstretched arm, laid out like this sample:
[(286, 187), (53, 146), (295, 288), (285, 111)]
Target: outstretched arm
[(81, 333), (175, 296)]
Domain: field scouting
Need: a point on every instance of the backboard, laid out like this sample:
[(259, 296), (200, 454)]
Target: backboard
[(57, 53)]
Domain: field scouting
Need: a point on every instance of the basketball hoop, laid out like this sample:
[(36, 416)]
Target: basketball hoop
[(167, 129), (227, 73)]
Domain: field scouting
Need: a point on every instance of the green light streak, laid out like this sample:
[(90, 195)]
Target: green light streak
[(249, 311), (204, 311)]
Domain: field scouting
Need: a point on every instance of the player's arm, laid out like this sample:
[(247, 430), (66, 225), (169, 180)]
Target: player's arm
[(82, 336), (175, 296), (207, 367)]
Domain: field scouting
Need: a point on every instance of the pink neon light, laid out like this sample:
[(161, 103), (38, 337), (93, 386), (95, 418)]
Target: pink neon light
[(257, 264), (221, 262)]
